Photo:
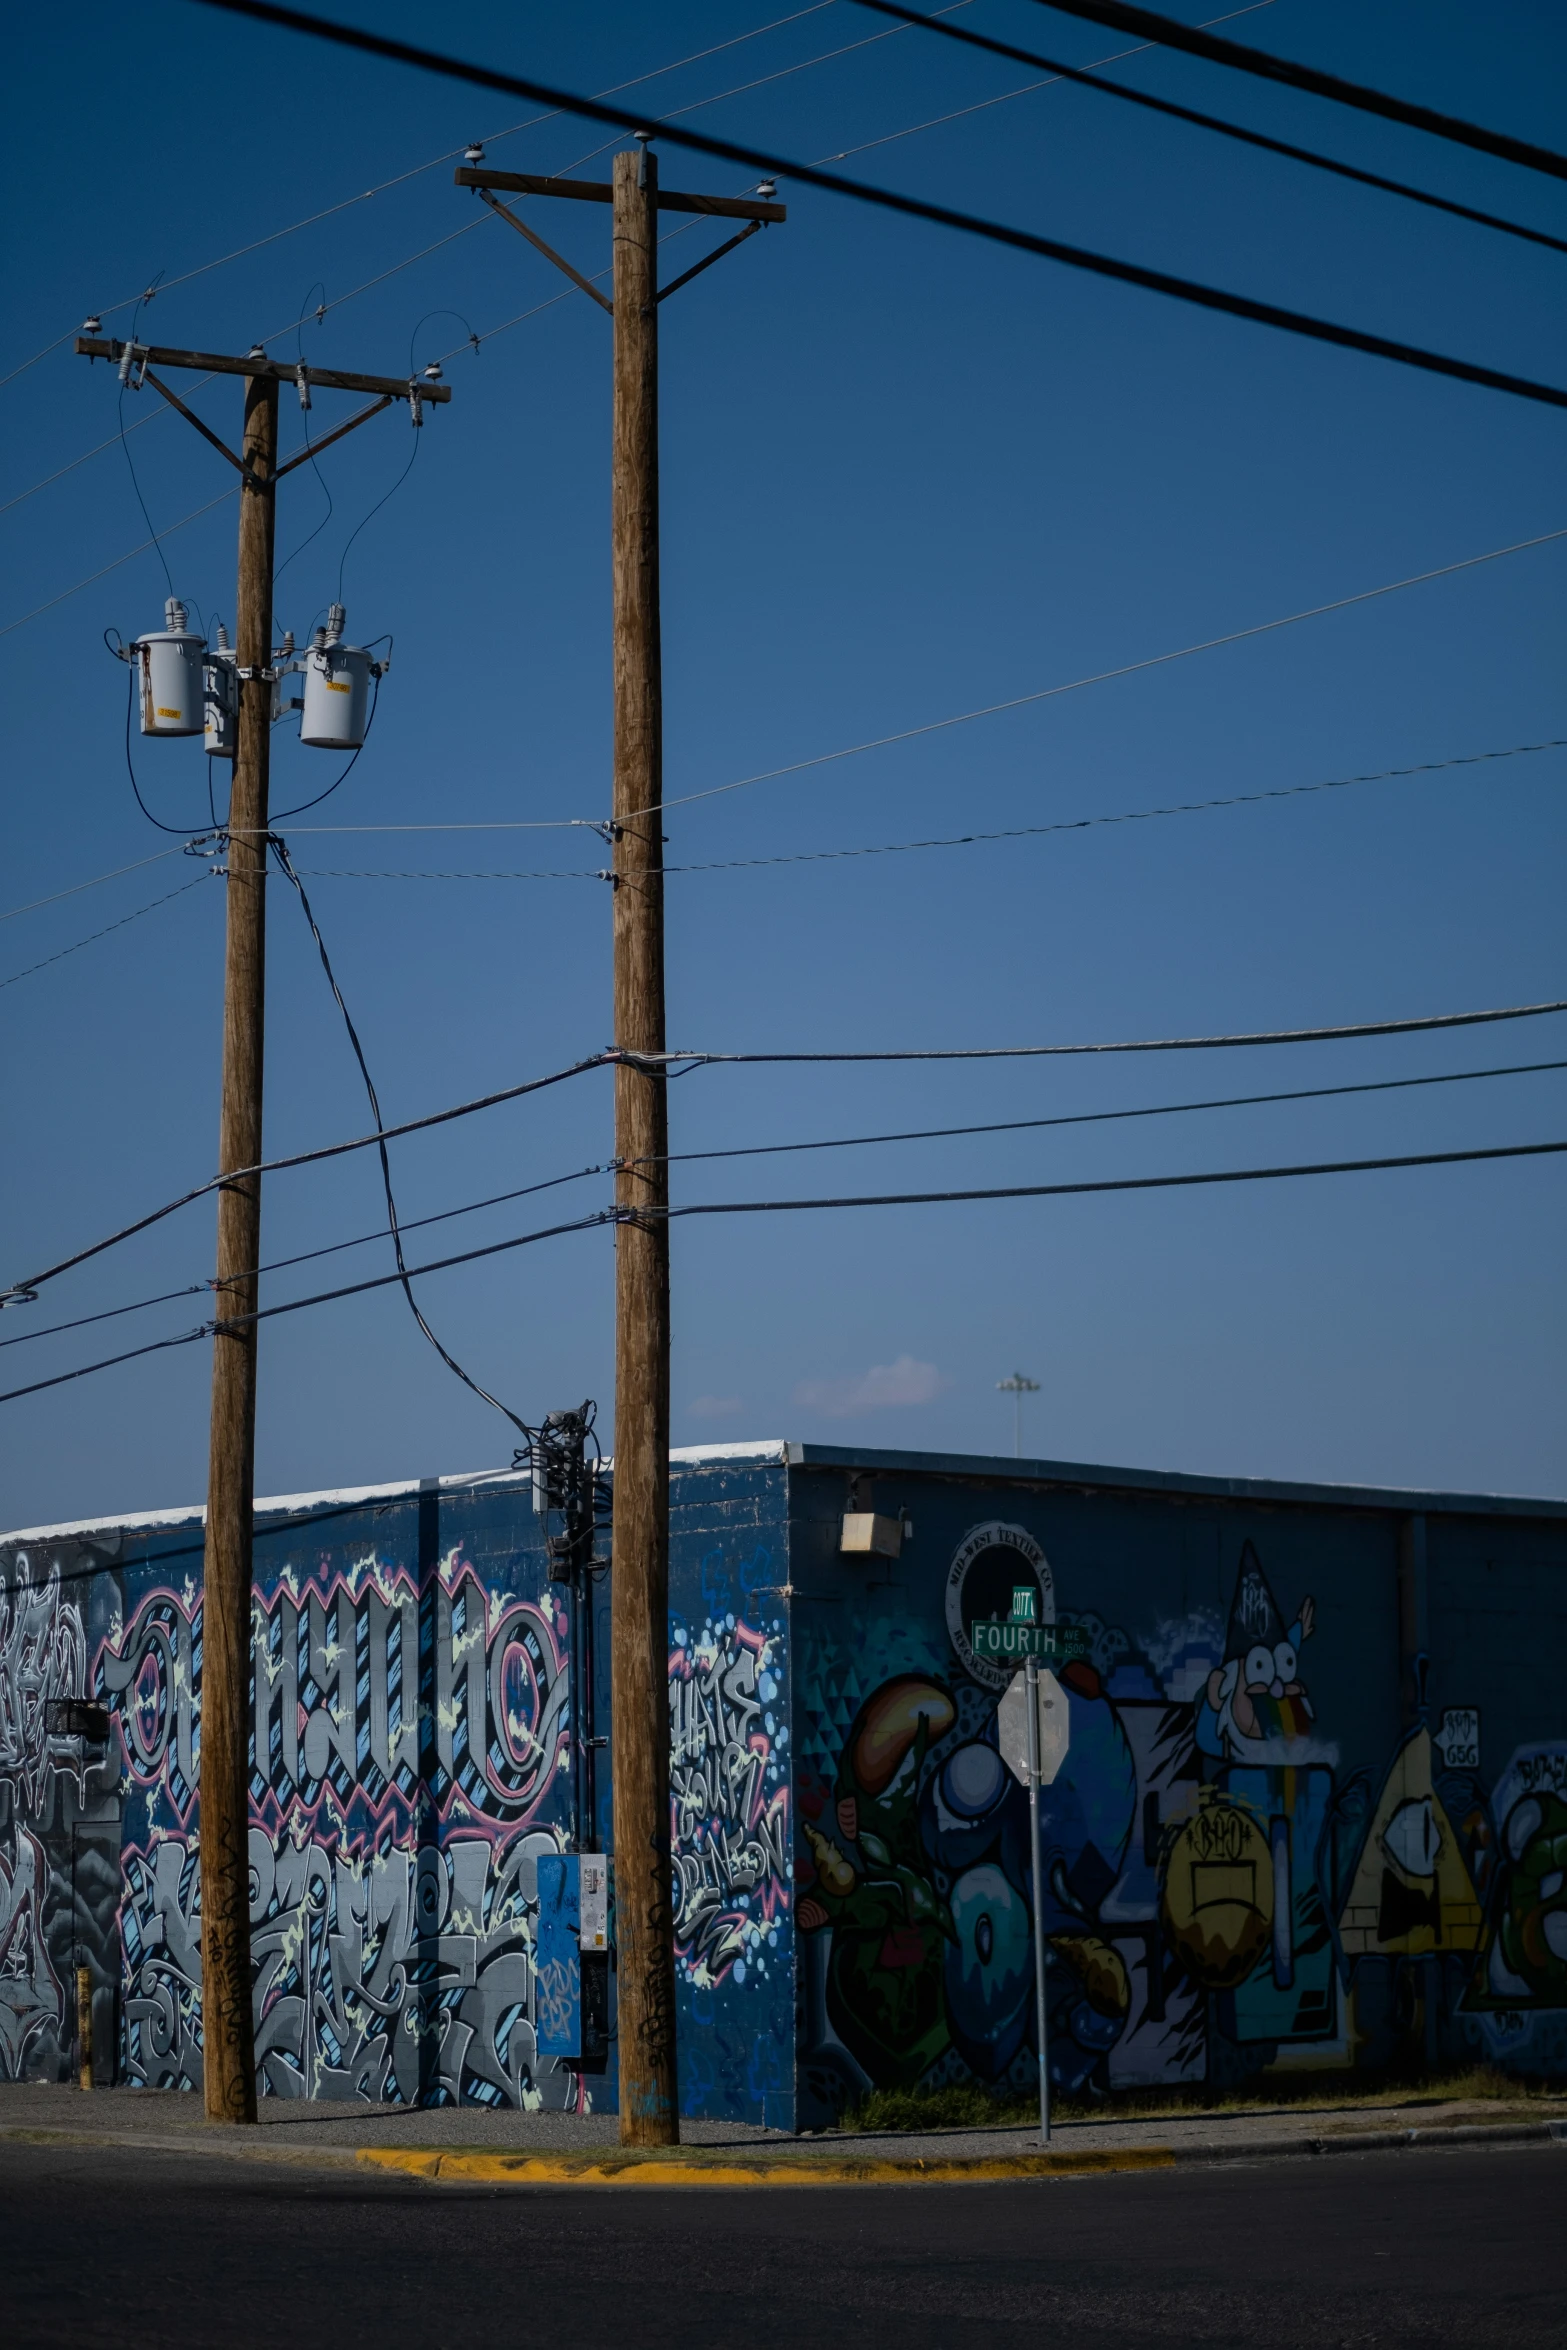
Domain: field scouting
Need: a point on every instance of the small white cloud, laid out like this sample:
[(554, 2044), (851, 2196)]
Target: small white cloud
[(884, 1386), (715, 1407)]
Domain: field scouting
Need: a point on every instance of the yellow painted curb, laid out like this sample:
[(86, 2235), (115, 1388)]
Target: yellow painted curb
[(581, 2170)]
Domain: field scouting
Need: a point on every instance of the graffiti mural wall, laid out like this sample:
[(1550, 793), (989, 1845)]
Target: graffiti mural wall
[(408, 1750), (59, 1833), (1312, 1810), (731, 1793), (1228, 1886)]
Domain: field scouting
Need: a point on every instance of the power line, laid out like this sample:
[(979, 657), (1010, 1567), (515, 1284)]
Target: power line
[(21, 1292), (921, 1199), (93, 936), (1074, 685), (910, 130), (1181, 289), (66, 593), (619, 1215), (550, 304), (77, 887), (334, 1248), (415, 171), (1168, 1044), (761, 1150), (1168, 34), (962, 840), (1047, 693), (1211, 122), (1238, 1101)]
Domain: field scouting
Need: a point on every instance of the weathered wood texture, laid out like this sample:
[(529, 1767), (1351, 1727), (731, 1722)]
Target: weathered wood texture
[(227, 2030), (644, 1918)]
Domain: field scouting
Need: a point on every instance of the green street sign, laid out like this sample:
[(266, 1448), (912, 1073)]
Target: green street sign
[(1009, 1642)]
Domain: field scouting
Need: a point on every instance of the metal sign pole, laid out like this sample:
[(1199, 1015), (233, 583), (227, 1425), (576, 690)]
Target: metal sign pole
[(1031, 1672)]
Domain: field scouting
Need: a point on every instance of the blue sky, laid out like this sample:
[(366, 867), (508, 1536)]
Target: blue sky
[(905, 476)]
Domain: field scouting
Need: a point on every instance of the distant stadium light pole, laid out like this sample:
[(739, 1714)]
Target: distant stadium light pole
[(1017, 1387)]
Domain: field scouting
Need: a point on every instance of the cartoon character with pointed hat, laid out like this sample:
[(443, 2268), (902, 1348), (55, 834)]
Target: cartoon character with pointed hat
[(1255, 1698)]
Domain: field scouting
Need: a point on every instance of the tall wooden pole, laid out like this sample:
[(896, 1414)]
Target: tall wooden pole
[(644, 1917), (229, 2055)]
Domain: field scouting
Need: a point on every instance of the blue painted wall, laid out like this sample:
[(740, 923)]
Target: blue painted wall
[(1314, 1810)]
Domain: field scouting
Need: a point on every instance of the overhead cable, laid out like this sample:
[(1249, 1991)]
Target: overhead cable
[(334, 1248), (1169, 34), (65, 594), (1164, 1044), (77, 887), (923, 1199), (945, 216), (416, 171), (93, 936), (963, 840), (1209, 122), (1075, 685), (22, 1291), (624, 1215), (907, 734), (834, 1142)]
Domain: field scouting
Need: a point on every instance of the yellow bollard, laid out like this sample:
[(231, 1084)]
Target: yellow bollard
[(84, 2026)]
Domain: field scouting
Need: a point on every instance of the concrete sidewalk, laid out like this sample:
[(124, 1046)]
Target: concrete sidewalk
[(470, 2144)]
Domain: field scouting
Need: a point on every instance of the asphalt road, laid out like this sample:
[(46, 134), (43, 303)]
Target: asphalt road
[(1416, 2251)]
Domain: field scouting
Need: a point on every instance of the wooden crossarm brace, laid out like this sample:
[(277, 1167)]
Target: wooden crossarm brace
[(548, 251), (352, 425), (727, 246), (191, 417)]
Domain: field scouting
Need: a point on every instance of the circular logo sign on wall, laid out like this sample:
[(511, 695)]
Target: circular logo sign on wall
[(992, 1562)]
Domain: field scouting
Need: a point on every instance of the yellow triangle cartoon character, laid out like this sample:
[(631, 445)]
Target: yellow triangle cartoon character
[(1411, 1893)]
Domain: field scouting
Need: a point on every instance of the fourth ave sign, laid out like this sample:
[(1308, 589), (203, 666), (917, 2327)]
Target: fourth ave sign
[(1054, 1729)]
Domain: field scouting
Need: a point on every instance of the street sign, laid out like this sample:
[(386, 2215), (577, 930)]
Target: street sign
[(1010, 1641), (1054, 1727)]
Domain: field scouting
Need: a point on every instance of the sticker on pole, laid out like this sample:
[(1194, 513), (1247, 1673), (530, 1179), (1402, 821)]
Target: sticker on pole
[(1054, 1726)]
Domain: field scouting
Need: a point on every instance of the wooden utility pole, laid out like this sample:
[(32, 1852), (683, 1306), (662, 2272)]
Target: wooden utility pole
[(229, 2057), (639, 1640), (644, 1912), (228, 2034)]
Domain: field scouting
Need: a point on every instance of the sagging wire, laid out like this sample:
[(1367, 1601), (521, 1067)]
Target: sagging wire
[(125, 386), (374, 511), (181, 831), (279, 849), (299, 344), (827, 1143)]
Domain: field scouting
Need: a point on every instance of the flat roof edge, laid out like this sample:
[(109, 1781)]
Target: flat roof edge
[(1405, 1500)]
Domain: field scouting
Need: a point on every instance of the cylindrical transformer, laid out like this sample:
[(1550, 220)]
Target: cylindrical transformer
[(337, 693), (172, 689), (221, 698)]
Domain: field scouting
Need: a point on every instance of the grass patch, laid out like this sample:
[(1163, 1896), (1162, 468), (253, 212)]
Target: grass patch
[(967, 2106)]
